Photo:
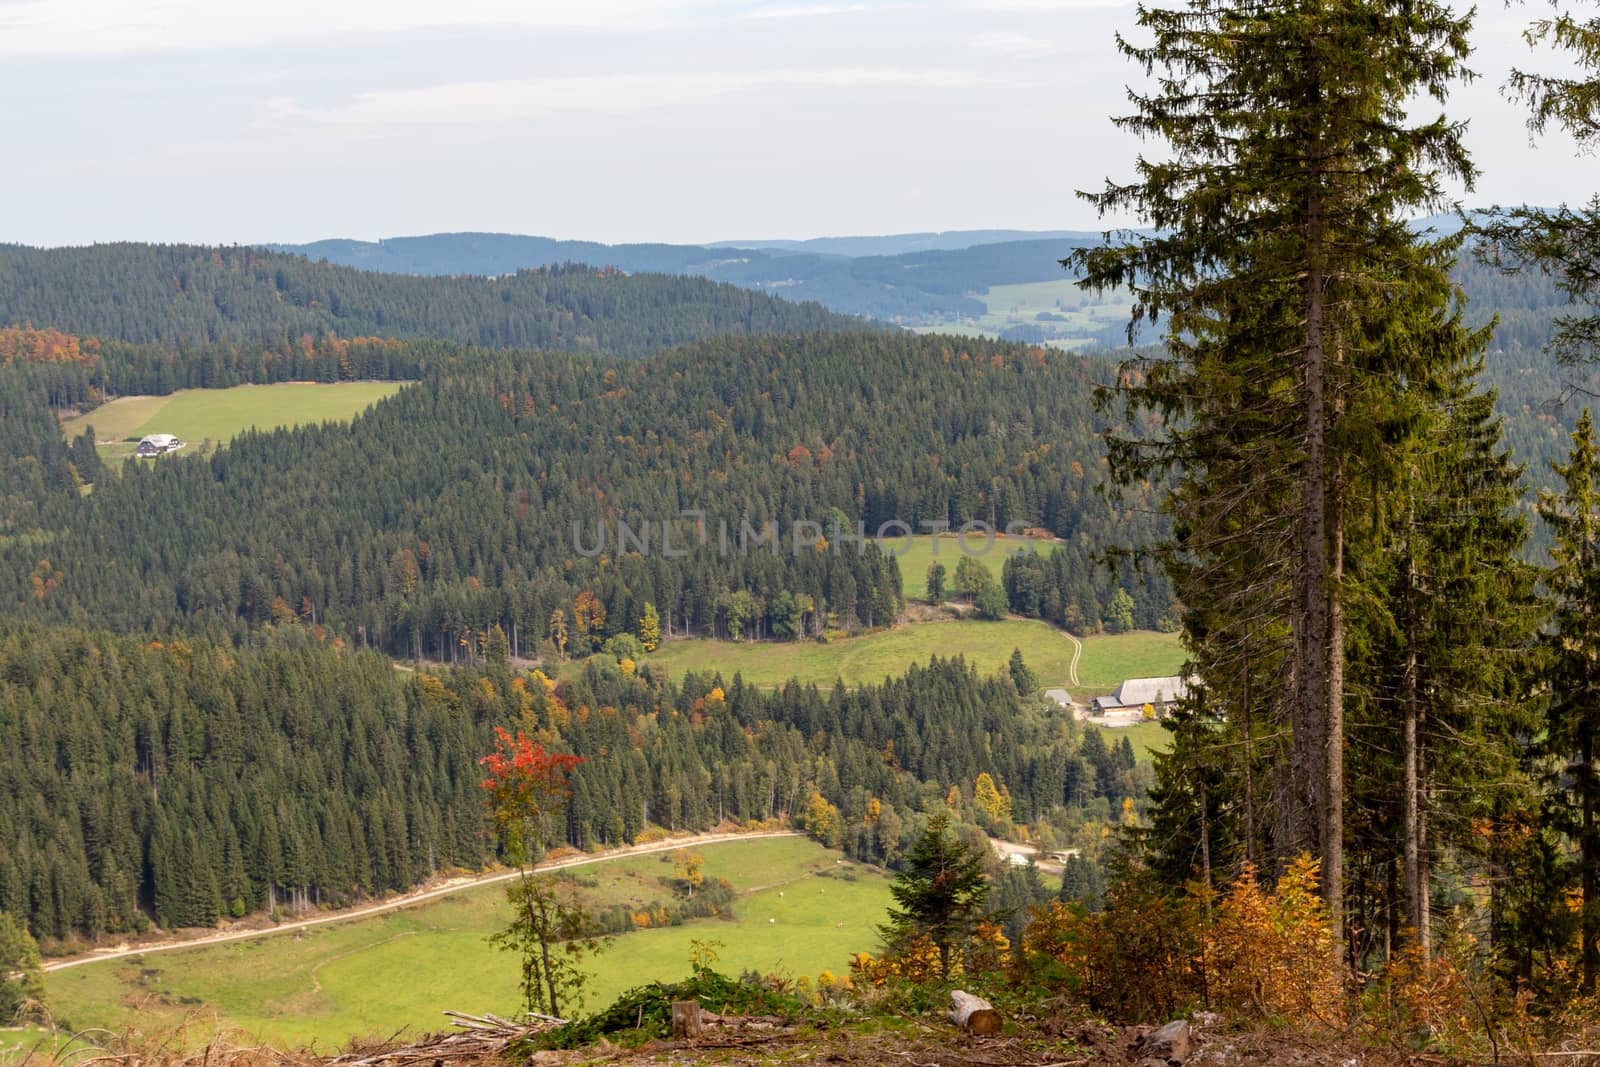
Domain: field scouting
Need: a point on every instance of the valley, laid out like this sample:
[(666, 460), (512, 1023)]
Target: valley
[(287, 707), (1053, 311), (426, 643)]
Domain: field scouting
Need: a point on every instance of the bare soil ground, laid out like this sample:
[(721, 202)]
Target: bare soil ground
[(1045, 1040)]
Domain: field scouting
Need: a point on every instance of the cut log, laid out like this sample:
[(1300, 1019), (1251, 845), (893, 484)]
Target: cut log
[(686, 1020), (974, 1014)]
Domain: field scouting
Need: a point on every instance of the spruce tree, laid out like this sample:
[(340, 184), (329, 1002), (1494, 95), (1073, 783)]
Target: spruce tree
[(1444, 622), (1279, 248), (939, 893), (1572, 672), (1022, 675)]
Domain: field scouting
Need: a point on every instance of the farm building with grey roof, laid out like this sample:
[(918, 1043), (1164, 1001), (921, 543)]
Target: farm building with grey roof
[(1134, 693)]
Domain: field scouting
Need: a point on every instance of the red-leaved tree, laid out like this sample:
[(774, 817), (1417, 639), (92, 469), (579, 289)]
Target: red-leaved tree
[(527, 789)]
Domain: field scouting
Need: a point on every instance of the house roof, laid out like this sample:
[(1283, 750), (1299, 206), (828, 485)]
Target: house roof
[(160, 440), (1139, 691), (1060, 696)]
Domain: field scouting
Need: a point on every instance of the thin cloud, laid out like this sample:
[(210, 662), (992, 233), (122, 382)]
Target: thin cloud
[(812, 11), (1014, 44), (513, 100), (1050, 5), (68, 27)]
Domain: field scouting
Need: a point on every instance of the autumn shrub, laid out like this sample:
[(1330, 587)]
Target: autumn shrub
[(1131, 961), (907, 982), (1420, 1000), (1142, 954), (1268, 953), (988, 951), (1250, 952), (915, 977), (917, 961)]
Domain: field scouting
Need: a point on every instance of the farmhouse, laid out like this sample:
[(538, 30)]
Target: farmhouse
[(157, 444), (1134, 693)]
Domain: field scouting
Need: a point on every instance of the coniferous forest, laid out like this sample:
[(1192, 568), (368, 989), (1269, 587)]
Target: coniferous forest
[(488, 493), (186, 294), (185, 781)]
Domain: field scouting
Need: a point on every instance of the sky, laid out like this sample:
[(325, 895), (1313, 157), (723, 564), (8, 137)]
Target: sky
[(246, 121)]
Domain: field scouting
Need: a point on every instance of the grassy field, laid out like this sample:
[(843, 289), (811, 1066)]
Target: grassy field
[(1105, 662), (1109, 658), (1147, 737), (875, 656), (1080, 314), (925, 549), (374, 975), (34, 1045), (217, 415)]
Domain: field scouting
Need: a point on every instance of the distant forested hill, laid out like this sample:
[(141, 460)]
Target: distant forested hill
[(451, 507), (1539, 400), (188, 294), (895, 244), (915, 279)]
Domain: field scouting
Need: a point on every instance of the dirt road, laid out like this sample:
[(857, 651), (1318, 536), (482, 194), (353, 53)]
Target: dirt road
[(406, 900)]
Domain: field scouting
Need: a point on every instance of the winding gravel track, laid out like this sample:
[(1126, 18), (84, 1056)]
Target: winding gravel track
[(406, 900)]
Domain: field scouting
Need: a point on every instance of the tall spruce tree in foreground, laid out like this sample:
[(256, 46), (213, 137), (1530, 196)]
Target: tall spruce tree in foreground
[(1572, 671), (1280, 252)]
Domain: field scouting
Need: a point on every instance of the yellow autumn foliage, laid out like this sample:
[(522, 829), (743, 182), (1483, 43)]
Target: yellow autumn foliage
[(1250, 952)]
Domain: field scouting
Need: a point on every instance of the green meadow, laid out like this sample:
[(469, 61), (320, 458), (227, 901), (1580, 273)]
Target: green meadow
[(1072, 312), (1110, 658), (801, 909), (218, 415), (1147, 738), (1105, 662)]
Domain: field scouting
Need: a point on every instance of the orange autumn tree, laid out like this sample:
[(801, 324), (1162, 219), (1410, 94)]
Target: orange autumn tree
[(527, 789)]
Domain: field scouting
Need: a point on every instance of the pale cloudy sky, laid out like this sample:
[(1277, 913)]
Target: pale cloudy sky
[(612, 120)]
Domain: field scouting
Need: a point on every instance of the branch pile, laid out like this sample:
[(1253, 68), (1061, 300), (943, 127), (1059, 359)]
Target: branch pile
[(481, 1038)]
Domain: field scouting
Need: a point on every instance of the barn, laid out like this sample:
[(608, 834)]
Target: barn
[(1134, 693)]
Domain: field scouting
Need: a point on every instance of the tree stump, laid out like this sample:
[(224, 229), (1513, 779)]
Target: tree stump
[(686, 1020), (974, 1014)]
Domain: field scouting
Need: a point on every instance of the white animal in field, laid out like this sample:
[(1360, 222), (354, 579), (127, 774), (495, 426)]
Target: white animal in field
[(772, 920)]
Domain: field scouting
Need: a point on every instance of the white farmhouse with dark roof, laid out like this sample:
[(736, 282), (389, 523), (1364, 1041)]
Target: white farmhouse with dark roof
[(1134, 693), (157, 444)]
